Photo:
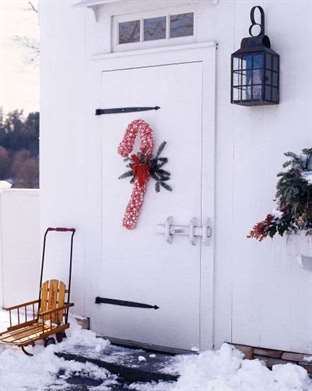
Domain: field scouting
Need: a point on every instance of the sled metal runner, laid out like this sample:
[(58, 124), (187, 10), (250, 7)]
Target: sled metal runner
[(48, 315)]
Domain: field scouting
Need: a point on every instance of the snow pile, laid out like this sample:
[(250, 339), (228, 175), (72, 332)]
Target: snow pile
[(226, 370), (19, 372), (80, 340), (45, 371)]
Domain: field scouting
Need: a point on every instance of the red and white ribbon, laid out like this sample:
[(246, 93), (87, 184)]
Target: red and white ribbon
[(141, 129)]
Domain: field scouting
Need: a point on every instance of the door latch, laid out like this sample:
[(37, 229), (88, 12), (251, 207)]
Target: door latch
[(193, 230)]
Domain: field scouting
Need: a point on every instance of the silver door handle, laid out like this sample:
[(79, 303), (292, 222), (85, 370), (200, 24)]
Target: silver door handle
[(193, 230), (167, 229)]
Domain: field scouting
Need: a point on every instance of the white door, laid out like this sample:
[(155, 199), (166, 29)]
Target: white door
[(139, 265)]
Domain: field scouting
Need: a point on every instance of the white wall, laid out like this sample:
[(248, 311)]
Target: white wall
[(63, 134), (19, 246), (262, 297)]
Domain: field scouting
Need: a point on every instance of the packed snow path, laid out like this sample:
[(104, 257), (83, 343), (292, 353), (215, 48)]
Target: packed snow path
[(222, 370)]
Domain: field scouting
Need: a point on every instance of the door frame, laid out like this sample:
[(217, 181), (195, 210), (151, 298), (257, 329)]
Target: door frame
[(169, 55)]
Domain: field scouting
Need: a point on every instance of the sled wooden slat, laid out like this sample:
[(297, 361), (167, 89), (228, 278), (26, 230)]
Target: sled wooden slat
[(44, 296), (30, 331), (52, 294), (48, 331), (19, 330), (26, 337)]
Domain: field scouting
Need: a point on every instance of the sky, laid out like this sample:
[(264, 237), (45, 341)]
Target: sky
[(19, 78)]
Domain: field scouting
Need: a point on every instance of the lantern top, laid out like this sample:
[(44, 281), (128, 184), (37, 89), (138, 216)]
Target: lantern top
[(259, 42)]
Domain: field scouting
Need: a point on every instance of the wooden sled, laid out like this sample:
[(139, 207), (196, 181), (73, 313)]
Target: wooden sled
[(41, 319)]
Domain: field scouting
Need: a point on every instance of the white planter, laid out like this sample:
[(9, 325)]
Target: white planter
[(303, 247)]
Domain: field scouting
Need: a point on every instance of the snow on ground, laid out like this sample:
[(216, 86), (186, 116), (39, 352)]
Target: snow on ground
[(226, 370), (19, 372), (222, 370)]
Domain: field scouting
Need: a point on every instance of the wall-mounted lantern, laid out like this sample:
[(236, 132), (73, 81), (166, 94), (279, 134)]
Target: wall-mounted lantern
[(255, 68)]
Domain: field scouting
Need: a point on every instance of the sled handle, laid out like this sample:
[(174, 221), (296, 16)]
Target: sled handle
[(58, 229), (61, 229)]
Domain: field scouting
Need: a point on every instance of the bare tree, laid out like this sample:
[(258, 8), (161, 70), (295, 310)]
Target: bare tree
[(33, 8), (31, 45)]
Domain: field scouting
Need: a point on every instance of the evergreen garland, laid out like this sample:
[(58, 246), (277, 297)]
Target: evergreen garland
[(293, 197)]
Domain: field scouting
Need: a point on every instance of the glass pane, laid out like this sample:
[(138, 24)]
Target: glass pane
[(275, 79), (268, 61), (181, 25), (257, 92), (257, 76), (268, 93), (129, 31), (236, 94), (258, 61), (154, 28), (236, 79), (247, 62), (248, 78), (274, 94), (268, 77), (236, 63), (246, 93), (275, 63)]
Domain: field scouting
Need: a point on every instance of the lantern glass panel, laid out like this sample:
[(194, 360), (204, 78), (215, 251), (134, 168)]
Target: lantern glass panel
[(236, 94), (258, 60), (275, 79), (236, 79), (243, 79), (268, 93), (268, 61), (275, 63), (268, 77), (236, 64), (274, 94), (257, 92)]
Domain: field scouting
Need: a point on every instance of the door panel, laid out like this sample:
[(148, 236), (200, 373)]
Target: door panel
[(140, 265)]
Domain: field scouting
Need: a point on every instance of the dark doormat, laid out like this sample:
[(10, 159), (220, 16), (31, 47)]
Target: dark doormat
[(126, 365)]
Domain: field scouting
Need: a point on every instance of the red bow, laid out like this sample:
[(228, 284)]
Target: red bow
[(141, 170)]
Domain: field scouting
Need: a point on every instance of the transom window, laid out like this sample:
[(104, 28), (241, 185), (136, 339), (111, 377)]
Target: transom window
[(148, 29)]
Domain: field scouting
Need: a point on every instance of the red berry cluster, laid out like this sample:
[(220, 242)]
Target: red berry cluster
[(261, 230)]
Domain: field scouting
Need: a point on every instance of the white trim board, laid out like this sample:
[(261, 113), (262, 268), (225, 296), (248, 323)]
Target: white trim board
[(158, 50), (94, 3)]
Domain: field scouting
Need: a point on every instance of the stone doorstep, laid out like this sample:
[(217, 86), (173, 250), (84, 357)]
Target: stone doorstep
[(273, 356)]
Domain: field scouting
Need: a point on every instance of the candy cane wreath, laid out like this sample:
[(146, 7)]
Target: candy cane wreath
[(142, 167)]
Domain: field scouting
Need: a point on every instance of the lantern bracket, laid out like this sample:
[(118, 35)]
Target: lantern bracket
[(260, 39), (255, 23)]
